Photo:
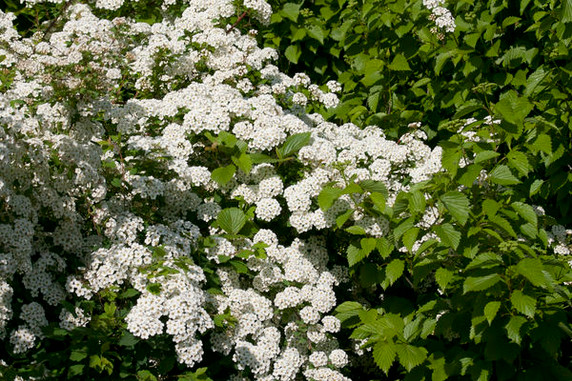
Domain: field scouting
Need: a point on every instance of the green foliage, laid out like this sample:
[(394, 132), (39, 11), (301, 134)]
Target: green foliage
[(508, 59)]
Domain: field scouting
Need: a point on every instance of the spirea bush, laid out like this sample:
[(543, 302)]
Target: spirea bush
[(173, 206)]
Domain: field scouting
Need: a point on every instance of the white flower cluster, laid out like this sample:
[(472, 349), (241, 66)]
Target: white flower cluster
[(442, 17), (268, 338), (560, 239), (365, 155)]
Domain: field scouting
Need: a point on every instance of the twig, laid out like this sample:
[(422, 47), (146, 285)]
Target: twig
[(243, 15)]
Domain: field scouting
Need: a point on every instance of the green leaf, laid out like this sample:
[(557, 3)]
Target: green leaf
[(127, 339), (399, 63), (291, 11), (458, 205), (417, 202), (523, 303), (448, 235), (519, 161), (231, 220), (513, 328), (503, 224), (485, 155), (77, 355), (243, 162), (410, 237), (378, 200), (223, 175), (490, 207), (328, 196), (374, 186), (316, 33), (342, 218), (534, 80), (543, 143), (347, 310), (567, 11), (535, 187), (384, 247), (75, 370), (384, 355), (293, 53), (154, 288), (491, 310), (145, 375), (513, 108), (394, 270), (533, 270), (410, 356), (526, 212), (480, 283), (293, 144), (503, 176), (355, 255), (443, 277), (356, 230)]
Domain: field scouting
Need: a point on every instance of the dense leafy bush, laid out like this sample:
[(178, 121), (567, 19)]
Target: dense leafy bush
[(508, 59), (174, 206)]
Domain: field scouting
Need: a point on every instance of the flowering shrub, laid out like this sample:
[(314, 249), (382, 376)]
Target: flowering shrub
[(172, 206)]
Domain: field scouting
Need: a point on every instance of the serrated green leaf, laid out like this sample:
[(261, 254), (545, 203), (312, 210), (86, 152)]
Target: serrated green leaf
[(533, 270), (402, 228), (374, 186), (543, 143), (458, 205), (533, 82), (293, 144), (513, 108), (394, 270), (347, 310), (448, 235), (243, 162), (354, 255), (519, 161), (291, 11), (399, 63), (328, 196), (491, 310), (356, 230), (316, 33), (293, 53), (535, 187), (567, 11), (223, 175), (503, 176), (523, 303), (342, 218), (513, 328), (485, 155), (368, 245), (77, 356), (384, 355), (480, 283), (75, 370), (410, 356), (443, 277), (378, 200), (384, 247), (503, 224), (231, 220), (417, 202), (410, 237), (127, 339), (526, 212)]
